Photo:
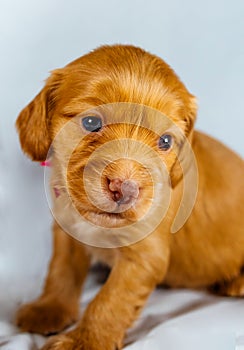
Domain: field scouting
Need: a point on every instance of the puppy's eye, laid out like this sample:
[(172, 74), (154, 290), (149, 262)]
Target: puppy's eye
[(165, 142), (92, 123)]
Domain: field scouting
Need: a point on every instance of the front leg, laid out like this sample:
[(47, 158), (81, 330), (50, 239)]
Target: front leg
[(58, 306), (138, 269)]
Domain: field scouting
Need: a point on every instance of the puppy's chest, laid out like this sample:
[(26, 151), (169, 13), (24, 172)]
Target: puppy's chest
[(105, 256)]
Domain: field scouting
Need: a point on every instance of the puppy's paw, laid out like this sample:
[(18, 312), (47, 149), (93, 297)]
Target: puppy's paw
[(234, 288), (61, 342), (79, 341), (45, 316)]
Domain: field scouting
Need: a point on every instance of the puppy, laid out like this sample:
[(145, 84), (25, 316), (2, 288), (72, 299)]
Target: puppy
[(135, 187)]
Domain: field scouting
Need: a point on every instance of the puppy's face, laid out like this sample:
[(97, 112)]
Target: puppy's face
[(117, 120)]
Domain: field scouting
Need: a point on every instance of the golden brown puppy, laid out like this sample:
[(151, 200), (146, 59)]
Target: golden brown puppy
[(118, 121)]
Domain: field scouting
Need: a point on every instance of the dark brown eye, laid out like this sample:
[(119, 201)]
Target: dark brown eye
[(165, 142), (92, 123)]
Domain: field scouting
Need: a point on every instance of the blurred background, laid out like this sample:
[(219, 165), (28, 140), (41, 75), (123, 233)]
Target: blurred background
[(202, 40)]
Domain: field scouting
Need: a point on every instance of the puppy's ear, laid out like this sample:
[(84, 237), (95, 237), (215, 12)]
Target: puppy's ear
[(190, 112), (33, 123), (185, 170), (190, 115)]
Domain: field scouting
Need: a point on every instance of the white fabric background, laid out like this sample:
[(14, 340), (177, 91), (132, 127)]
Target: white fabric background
[(202, 40)]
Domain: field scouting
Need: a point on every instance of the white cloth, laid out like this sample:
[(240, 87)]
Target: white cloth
[(172, 319)]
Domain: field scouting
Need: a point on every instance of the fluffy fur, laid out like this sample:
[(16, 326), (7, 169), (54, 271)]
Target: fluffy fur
[(208, 250)]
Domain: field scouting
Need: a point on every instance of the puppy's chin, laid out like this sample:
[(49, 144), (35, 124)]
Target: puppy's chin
[(117, 215), (112, 218), (108, 220)]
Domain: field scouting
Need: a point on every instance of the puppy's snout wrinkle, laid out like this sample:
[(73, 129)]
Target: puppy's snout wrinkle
[(123, 192)]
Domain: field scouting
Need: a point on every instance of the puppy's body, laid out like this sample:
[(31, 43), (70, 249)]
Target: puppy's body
[(207, 249)]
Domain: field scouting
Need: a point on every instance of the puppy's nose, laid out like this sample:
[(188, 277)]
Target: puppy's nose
[(123, 192)]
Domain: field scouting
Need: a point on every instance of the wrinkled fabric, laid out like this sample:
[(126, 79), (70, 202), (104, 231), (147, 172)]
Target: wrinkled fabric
[(172, 320)]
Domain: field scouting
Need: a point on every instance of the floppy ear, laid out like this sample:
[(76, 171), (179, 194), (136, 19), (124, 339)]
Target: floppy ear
[(185, 170), (190, 112), (190, 115), (33, 123)]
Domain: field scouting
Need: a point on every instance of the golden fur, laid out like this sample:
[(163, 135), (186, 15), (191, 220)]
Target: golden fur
[(207, 250)]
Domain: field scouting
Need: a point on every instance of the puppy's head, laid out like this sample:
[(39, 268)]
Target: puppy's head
[(115, 118)]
